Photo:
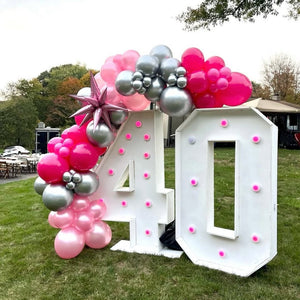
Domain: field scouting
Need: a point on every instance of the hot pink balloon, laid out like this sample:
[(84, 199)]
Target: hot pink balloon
[(80, 203), (109, 72), (51, 167), (205, 100), (239, 90), (63, 218), (197, 82), (98, 209), (57, 147), (226, 73), (98, 236), (53, 142), (136, 102), (64, 134), (214, 62), (84, 221), (69, 242), (129, 59), (213, 75), (192, 60), (64, 152), (51, 218), (68, 143), (222, 84), (83, 157), (78, 134)]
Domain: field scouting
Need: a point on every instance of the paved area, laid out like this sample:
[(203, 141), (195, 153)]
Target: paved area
[(19, 177)]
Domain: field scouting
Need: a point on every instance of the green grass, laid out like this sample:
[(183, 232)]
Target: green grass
[(30, 268)]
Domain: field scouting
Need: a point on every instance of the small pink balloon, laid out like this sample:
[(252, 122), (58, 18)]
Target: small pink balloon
[(69, 243), (118, 61), (98, 209), (213, 75), (197, 82), (57, 147), (84, 221), (136, 102), (83, 157), (192, 60), (214, 62), (51, 218), (53, 142), (51, 167), (205, 100), (222, 84), (225, 72), (64, 152), (239, 90), (80, 203), (68, 143), (98, 236), (64, 218), (109, 72), (129, 59)]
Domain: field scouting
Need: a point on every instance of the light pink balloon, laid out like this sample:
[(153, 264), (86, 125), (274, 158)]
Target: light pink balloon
[(98, 236), (129, 59), (83, 157), (63, 218), (51, 218), (109, 72), (136, 102), (53, 142), (80, 203), (239, 90), (84, 221), (51, 167), (98, 209), (118, 61), (69, 242)]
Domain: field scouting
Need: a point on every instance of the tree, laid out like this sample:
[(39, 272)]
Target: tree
[(282, 76), (215, 12), (260, 91)]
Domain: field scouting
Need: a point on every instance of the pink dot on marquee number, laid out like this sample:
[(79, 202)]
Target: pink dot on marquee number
[(138, 124), (147, 137), (224, 123), (256, 139), (128, 136), (146, 155), (110, 172), (194, 182), (124, 203), (121, 151), (147, 232), (148, 203), (192, 229), (146, 175), (221, 253), (255, 238), (256, 188)]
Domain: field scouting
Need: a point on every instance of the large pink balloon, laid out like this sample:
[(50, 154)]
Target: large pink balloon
[(98, 236), (192, 60), (69, 242), (239, 90), (129, 59), (109, 72), (136, 102), (215, 62), (197, 82), (205, 100), (78, 134), (83, 157), (51, 167)]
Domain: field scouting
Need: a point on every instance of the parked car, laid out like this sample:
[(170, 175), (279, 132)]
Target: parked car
[(15, 150)]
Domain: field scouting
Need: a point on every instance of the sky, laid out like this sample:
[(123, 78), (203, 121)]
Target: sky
[(37, 35)]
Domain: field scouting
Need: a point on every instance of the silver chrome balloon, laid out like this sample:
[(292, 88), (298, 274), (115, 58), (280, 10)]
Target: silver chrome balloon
[(76, 178), (137, 84), (70, 185), (137, 76), (181, 71), (181, 82), (175, 102), (88, 184), (147, 65), (40, 185), (155, 89), (161, 52), (117, 117), (102, 136), (172, 80), (168, 66), (147, 82), (56, 197), (67, 177), (123, 83)]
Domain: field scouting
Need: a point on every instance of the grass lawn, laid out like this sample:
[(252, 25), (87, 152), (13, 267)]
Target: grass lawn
[(30, 268)]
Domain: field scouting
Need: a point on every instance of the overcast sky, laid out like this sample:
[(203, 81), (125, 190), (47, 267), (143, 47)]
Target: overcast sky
[(39, 34)]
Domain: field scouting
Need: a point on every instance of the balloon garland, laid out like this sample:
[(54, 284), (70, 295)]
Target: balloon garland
[(127, 82)]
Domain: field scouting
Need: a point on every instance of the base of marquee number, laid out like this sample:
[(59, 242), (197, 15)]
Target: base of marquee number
[(126, 247)]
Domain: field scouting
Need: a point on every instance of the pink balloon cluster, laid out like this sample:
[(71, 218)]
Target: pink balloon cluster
[(80, 225), (211, 83), (108, 74)]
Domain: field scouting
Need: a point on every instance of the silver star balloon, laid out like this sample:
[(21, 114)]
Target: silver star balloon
[(97, 108)]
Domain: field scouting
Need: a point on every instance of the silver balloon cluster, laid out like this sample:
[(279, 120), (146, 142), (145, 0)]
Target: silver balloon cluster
[(71, 178), (161, 79)]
